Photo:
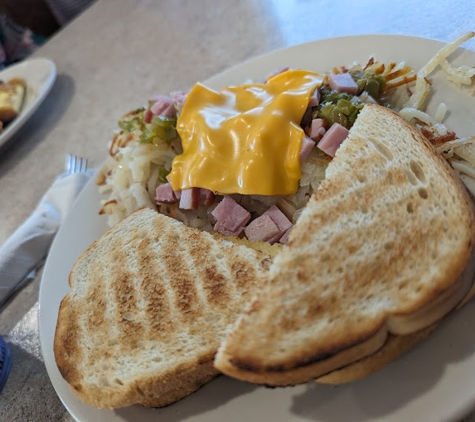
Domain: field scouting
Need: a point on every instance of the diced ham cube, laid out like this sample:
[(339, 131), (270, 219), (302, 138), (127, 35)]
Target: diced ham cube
[(280, 219), (230, 217), (283, 240), (190, 199), (193, 198), (147, 116), (283, 223), (306, 148), (206, 197), (178, 98), (177, 192), (317, 129), (333, 138), (315, 98), (163, 106), (342, 82), (269, 227), (165, 194), (221, 228), (262, 229)]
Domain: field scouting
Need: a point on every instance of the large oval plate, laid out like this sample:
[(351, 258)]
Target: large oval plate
[(39, 75), (433, 381)]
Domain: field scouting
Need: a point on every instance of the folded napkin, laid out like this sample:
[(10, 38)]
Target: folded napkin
[(26, 249)]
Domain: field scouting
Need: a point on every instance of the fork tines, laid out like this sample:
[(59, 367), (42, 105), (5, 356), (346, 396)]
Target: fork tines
[(75, 164)]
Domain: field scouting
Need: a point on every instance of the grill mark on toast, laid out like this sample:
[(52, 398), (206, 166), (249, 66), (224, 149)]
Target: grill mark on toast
[(213, 279), (126, 308), (185, 296), (215, 285), (153, 297), (96, 318), (243, 273), (213, 282), (157, 306), (182, 281)]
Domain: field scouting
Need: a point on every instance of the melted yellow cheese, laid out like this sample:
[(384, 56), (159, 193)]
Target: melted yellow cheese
[(244, 139)]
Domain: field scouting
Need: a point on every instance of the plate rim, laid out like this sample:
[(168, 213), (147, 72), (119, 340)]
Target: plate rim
[(330, 39)]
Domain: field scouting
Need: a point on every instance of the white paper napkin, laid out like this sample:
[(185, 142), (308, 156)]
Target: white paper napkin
[(26, 249)]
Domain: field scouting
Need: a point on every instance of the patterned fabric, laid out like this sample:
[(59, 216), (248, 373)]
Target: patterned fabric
[(16, 42)]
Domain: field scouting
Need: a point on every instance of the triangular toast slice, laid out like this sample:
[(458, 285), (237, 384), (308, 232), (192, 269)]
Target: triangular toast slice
[(149, 305), (377, 254)]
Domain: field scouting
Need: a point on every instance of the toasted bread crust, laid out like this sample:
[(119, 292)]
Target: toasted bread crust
[(149, 305), (394, 347), (12, 95), (376, 254)]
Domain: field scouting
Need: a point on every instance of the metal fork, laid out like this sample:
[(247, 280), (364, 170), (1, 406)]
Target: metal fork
[(75, 164)]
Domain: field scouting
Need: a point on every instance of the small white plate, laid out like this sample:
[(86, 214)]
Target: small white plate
[(434, 381), (39, 75)]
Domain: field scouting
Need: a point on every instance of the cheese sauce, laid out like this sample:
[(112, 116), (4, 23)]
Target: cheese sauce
[(244, 139)]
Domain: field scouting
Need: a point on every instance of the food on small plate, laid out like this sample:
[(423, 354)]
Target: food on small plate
[(12, 94), (379, 253), (348, 249), (149, 305)]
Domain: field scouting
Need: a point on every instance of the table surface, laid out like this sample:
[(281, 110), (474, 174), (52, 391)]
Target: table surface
[(112, 58)]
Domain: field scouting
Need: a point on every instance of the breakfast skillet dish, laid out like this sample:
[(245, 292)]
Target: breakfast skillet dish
[(337, 124)]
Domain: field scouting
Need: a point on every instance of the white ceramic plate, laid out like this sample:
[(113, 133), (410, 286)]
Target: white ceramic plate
[(433, 381), (39, 75)]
